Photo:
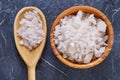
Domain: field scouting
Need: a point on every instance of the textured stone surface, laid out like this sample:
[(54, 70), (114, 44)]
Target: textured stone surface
[(49, 67)]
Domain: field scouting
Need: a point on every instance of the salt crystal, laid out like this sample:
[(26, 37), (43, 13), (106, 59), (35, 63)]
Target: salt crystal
[(80, 37)]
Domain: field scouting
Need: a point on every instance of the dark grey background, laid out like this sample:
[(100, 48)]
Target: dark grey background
[(49, 67)]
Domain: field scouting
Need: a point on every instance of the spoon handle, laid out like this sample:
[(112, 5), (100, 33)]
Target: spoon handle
[(31, 73)]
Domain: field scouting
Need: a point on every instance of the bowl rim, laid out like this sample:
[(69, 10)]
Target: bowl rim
[(110, 41)]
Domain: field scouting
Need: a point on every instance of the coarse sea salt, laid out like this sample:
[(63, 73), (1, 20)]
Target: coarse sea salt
[(81, 37), (30, 30)]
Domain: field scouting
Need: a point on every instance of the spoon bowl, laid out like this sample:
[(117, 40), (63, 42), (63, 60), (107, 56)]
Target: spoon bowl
[(30, 57)]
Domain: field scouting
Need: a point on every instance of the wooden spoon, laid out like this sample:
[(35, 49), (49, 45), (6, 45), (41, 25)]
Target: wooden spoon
[(30, 57)]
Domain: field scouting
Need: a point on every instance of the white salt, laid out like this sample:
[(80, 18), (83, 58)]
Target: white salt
[(30, 30), (80, 37)]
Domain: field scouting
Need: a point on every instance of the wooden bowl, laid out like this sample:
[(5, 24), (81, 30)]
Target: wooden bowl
[(98, 14)]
